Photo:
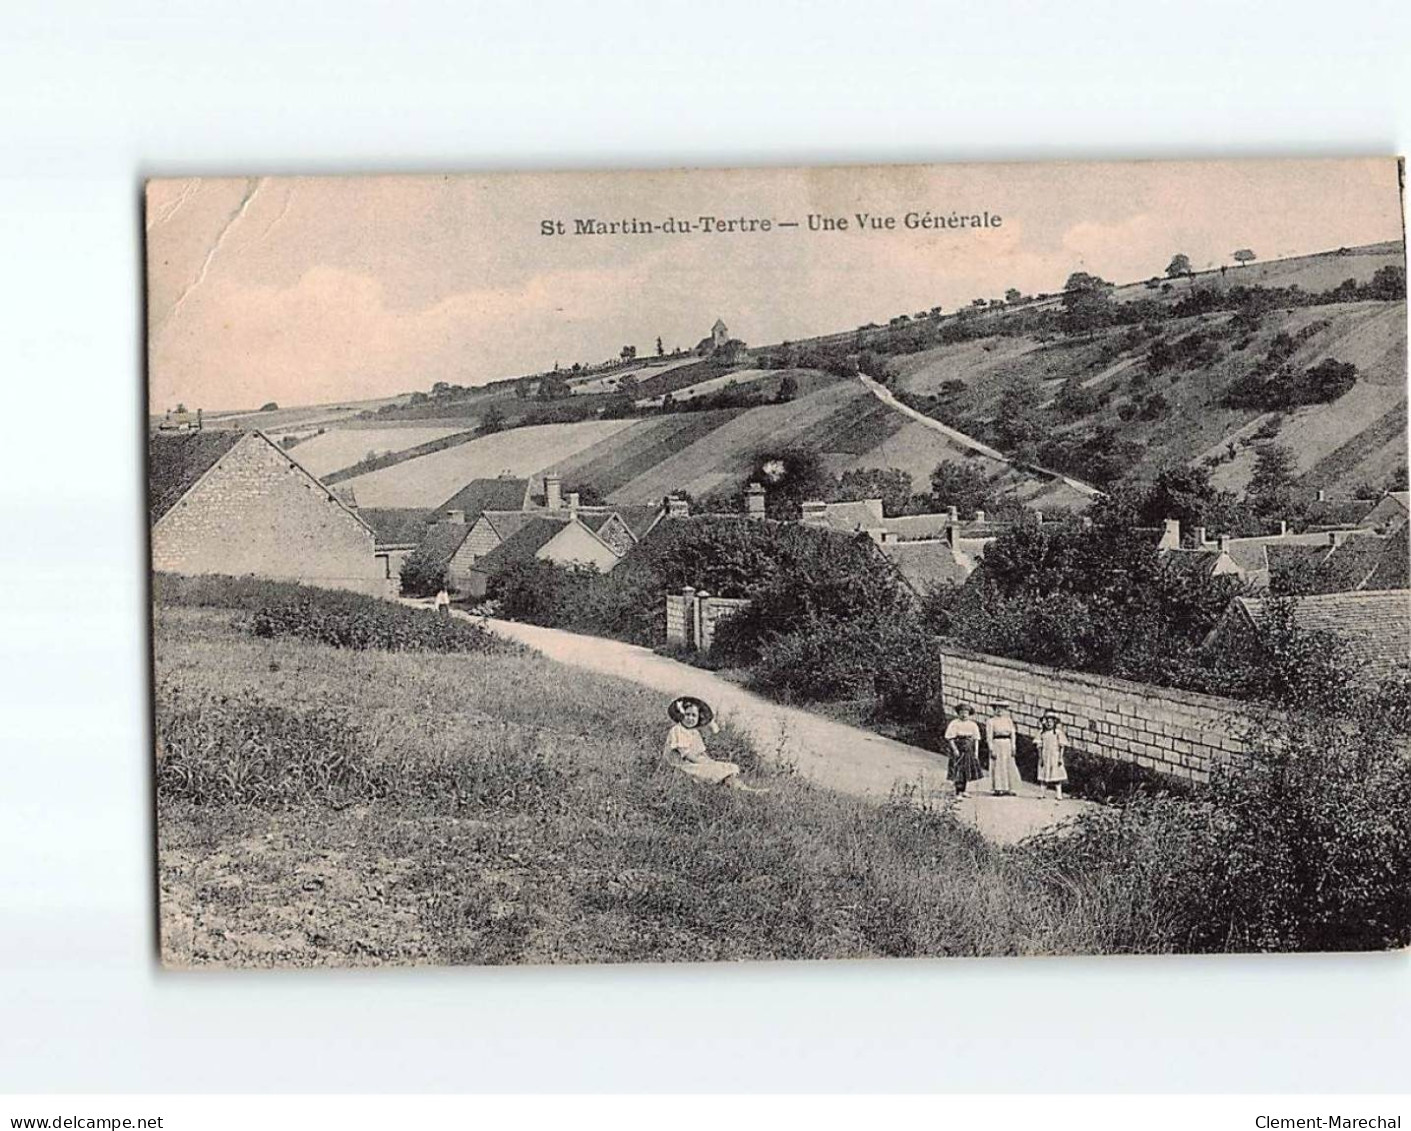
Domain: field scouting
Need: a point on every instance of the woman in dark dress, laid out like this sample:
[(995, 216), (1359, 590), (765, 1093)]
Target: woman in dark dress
[(962, 739)]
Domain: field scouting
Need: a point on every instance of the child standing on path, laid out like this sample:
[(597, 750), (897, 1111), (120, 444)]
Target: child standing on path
[(999, 736), (962, 739), (443, 603), (1052, 742)]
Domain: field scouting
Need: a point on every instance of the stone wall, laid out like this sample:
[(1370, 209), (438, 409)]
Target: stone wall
[(691, 617), (1179, 733), (256, 513)]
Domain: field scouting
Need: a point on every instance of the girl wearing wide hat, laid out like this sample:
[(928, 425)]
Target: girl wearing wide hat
[(686, 749)]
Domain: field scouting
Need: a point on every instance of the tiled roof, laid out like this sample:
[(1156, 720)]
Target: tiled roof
[(924, 565), (440, 543), (1250, 554), (175, 460), (397, 525), (507, 523), (1202, 560), (522, 545), (865, 514), (1374, 626), (917, 526), (479, 495)]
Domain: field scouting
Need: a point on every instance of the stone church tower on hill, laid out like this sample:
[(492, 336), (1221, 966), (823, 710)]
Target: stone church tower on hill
[(719, 334)]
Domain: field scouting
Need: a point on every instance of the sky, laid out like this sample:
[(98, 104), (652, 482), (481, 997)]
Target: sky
[(324, 289)]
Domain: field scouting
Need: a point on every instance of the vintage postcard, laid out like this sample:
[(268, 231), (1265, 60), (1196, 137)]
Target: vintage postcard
[(703, 565)]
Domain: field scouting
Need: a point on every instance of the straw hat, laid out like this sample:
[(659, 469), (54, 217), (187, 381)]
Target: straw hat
[(678, 707)]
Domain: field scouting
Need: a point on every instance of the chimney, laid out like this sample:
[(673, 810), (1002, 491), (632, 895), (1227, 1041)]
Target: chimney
[(1200, 538), (1336, 537), (815, 512), (952, 536), (979, 516), (573, 503), (1170, 535), (887, 537), (953, 513), (677, 508), (552, 497), (1039, 517), (1224, 543), (1283, 528), (754, 501), (456, 518), (1322, 495)]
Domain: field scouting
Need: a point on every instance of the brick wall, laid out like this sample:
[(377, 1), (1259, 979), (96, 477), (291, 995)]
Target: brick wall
[(1179, 733), (713, 611), (255, 513), (676, 629)]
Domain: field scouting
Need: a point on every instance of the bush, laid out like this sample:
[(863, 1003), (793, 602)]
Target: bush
[(327, 616), (894, 661), (1306, 849)]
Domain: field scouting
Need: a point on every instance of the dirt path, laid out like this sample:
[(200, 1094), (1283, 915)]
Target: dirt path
[(832, 754), (885, 395)]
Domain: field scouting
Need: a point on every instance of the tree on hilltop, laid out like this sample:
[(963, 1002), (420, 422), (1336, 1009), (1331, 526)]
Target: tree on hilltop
[(1180, 265), (1244, 257)]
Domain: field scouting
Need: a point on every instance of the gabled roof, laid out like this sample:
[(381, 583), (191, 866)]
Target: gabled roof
[(1368, 561), (398, 526), (925, 565), (522, 546), (1374, 626), (507, 523), (440, 543), (638, 517), (479, 495), (176, 460), (1251, 554)]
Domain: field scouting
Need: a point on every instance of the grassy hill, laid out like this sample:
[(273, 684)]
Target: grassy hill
[(1105, 405), (1180, 411), (494, 807)]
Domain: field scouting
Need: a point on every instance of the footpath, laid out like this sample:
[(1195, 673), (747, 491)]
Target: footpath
[(832, 754)]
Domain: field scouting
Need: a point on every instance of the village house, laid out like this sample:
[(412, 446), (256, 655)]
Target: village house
[(1252, 559), (1390, 513), (231, 502), (1373, 627), (927, 549), (563, 541)]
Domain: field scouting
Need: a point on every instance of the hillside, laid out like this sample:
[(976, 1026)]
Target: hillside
[(640, 460), (1177, 411), (1105, 405)]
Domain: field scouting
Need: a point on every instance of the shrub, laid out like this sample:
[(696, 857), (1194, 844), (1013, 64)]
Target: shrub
[(327, 616), (1307, 848)]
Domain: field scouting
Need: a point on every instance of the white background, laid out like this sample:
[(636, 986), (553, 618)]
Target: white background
[(93, 97)]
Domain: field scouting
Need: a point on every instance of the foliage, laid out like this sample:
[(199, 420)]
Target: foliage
[(1271, 484), (790, 476), (1086, 303), (955, 484), (1307, 848), (423, 574), (890, 484), (1180, 265)]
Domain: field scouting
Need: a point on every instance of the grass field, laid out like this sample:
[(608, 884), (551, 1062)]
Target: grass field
[(504, 809), (339, 448), (430, 480)]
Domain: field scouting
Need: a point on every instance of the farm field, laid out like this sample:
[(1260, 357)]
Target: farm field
[(430, 480), (339, 447), (609, 382), (710, 385)]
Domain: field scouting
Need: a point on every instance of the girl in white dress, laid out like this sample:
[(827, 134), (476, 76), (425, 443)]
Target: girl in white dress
[(686, 749), (1052, 742), (1000, 734)]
